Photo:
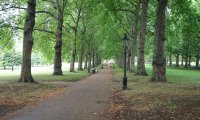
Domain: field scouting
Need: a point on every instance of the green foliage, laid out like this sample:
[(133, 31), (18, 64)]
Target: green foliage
[(106, 22), (6, 41), (10, 59)]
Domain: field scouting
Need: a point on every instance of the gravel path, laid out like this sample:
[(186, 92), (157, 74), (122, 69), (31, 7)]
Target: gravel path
[(83, 100)]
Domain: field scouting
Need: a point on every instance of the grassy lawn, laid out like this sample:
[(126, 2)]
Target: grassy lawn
[(67, 76), (45, 76), (174, 75), (179, 98)]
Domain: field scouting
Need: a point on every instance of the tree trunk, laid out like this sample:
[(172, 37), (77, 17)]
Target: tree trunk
[(26, 75), (73, 52), (129, 60), (197, 59), (189, 60), (170, 59), (177, 60), (133, 49), (89, 62), (73, 49), (97, 59), (182, 60), (186, 61), (58, 46), (80, 63), (89, 55), (72, 59), (159, 62), (86, 60), (134, 36), (141, 49), (93, 58)]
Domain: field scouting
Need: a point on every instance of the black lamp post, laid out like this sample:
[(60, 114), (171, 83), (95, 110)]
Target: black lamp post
[(125, 42)]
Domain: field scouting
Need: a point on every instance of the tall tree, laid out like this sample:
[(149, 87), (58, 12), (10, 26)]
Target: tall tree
[(83, 32), (26, 75), (60, 7), (90, 53), (141, 49), (134, 36), (159, 63), (75, 29)]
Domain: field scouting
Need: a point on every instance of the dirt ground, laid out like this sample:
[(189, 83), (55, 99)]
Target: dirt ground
[(15, 96), (83, 100), (142, 106)]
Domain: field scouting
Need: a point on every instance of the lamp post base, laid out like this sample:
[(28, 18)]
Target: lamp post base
[(124, 83)]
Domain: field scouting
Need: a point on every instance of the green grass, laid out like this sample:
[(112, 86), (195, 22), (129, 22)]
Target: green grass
[(174, 75), (46, 76), (67, 76), (183, 75)]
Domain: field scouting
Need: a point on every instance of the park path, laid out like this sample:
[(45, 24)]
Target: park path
[(83, 100)]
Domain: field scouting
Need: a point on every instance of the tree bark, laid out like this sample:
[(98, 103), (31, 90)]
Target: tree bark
[(159, 62), (133, 49), (26, 75), (86, 59), (73, 49), (89, 62), (177, 60), (186, 61), (93, 58), (129, 60), (134, 36), (80, 63), (90, 55), (58, 46), (97, 59), (182, 60), (170, 59), (73, 52), (197, 59), (189, 60), (141, 49)]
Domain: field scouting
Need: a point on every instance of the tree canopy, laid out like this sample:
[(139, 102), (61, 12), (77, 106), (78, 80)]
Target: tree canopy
[(91, 31)]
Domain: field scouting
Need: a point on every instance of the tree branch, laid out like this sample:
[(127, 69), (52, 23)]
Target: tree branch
[(132, 3), (120, 22), (46, 12), (46, 21), (36, 29), (69, 25), (12, 7), (124, 10), (46, 31), (72, 18)]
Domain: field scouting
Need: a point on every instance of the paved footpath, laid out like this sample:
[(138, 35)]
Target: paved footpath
[(83, 100)]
